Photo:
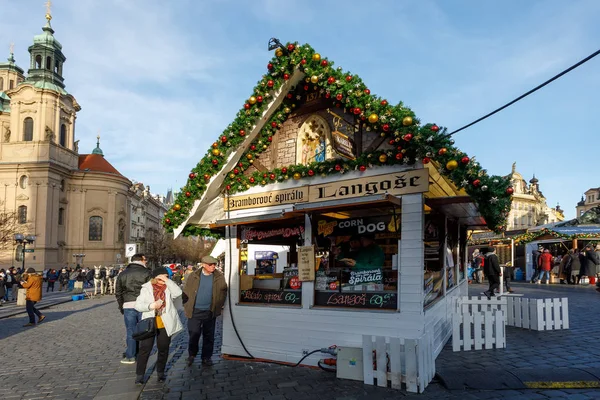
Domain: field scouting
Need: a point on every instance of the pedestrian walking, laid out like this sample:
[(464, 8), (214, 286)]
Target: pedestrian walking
[(52, 277), (129, 284), (545, 265), (204, 295), (2, 287), (33, 283), (535, 259), (156, 301), (566, 267), (491, 269), (63, 279), (589, 262), (9, 281)]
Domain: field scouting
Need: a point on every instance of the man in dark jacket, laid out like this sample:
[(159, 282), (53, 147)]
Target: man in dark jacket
[(491, 269), (204, 295), (129, 284), (588, 263)]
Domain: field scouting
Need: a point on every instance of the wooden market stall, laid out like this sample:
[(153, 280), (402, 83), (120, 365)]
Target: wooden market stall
[(343, 216)]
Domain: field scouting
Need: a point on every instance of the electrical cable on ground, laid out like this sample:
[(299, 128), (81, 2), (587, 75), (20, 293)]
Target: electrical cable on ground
[(527, 93), (334, 370)]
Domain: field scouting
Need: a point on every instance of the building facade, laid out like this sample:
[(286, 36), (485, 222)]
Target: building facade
[(529, 207), (77, 205), (589, 200), (147, 211)]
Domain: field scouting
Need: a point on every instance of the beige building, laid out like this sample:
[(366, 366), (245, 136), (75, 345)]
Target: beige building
[(73, 203), (147, 211), (590, 200), (529, 207)]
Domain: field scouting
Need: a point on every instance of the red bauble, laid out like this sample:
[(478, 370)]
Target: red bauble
[(215, 161), (270, 83), (259, 99), (338, 167), (247, 106), (305, 87), (442, 151), (426, 160), (242, 132), (356, 111), (392, 142), (224, 139), (252, 147), (228, 187), (465, 160), (327, 95), (385, 127), (188, 194), (399, 156), (206, 177), (303, 61), (399, 148), (269, 66), (239, 179), (236, 171), (192, 176), (286, 77), (384, 102), (367, 91), (265, 175), (476, 182), (270, 138), (348, 78), (435, 128), (284, 170), (291, 47), (338, 105), (168, 221), (272, 177), (510, 190), (408, 137), (240, 164), (252, 180), (362, 168), (331, 80), (339, 97), (274, 124), (311, 172)]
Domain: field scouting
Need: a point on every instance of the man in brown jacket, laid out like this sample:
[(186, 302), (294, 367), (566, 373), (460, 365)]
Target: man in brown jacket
[(33, 284), (204, 295)]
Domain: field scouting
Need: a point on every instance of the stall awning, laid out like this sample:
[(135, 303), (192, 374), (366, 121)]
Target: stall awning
[(253, 219), (373, 200), (461, 208)]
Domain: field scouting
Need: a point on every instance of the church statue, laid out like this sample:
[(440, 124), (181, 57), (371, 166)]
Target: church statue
[(50, 134), (76, 146), (7, 134)]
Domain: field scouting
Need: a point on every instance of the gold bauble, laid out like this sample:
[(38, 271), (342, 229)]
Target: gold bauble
[(232, 175), (451, 165), (316, 57), (297, 175), (314, 79), (382, 134), (263, 182), (287, 110), (247, 186), (248, 112), (286, 177), (264, 146), (177, 207), (278, 52), (249, 156), (251, 161), (216, 152), (373, 118), (252, 100), (382, 158), (307, 79), (407, 121)]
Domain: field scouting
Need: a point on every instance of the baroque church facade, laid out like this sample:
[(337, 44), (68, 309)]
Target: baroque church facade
[(77, 205)]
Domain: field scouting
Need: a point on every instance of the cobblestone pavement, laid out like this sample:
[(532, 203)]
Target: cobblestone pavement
[(76, 352)]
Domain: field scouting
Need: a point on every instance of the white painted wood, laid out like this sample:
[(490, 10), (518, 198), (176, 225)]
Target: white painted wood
[(557, 322), (381, 354), (411, 255), (456, 340), (524, 310), (489, 329), (540, 314), (533, 314), (410, 351), (396, 363), (500, 327), (565, 312), (478, 322), (367, 347), (510, 307), (421, 361), (549, 322), (466, 328)]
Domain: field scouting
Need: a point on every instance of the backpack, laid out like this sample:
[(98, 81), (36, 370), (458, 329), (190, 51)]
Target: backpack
[(9, 278)]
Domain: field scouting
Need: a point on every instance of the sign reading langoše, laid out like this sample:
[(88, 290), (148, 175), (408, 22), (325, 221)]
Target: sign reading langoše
[(405, 182)]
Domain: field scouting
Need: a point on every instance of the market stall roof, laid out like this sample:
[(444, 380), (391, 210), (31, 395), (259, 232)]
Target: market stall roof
[(295, 72), (587, 226)]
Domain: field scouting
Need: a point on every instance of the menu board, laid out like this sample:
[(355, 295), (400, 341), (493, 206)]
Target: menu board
[(271, 296), (306, 263), (377, 300)]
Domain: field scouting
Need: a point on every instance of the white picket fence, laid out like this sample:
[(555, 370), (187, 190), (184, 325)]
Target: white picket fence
[(476, 330), (474, 304), (400, 361), (538, 314)]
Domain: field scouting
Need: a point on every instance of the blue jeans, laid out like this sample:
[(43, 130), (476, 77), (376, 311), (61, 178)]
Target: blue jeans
[(542, 274), (7, 294), (132, 317), (71, 285)]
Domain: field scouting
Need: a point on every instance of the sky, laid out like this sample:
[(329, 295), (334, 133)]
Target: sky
[(160, 80)]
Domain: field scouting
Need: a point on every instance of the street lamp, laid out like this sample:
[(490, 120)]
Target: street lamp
[(79, 257), (24, 241)]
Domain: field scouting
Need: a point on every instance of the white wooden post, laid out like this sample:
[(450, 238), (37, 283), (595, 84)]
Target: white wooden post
[(565, 312), (381, 354), (308, 288), (367, 359), (410, 351), (395, 363)]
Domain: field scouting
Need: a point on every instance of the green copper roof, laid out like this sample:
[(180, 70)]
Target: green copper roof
[(4, 103), (47, 38), (49, 86), (98, 150)]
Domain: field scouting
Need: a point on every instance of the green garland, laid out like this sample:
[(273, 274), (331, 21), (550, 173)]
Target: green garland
[(533, 236), (407, 141)]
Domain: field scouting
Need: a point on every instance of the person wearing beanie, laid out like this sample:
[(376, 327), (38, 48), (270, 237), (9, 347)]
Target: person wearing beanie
[(33, 283), (156, 300)]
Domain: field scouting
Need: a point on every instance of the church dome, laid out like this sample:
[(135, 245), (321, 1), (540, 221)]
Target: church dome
[(47, 38), (534, 180)]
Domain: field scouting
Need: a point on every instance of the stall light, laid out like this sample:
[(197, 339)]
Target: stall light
[(337, 215)]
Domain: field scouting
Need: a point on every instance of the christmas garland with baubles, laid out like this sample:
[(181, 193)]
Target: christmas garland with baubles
[(408, 140), (528, 237)]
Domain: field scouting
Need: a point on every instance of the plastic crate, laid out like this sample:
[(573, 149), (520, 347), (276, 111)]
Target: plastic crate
[(78, 297)]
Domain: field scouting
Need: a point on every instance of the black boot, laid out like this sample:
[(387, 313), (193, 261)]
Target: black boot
[(139, 380)]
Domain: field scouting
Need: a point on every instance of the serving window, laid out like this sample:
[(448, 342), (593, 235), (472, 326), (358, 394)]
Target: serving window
[(434, 262), (268, 263), (356, 258)]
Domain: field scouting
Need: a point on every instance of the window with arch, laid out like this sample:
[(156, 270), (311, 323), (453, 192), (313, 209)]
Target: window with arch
[(11, 84), (56, 66), (95, 233), (63, 135), (38, 61), (49, 63), (22, 214), (1, 84), (28, 129), (61, 216), (23, 181)]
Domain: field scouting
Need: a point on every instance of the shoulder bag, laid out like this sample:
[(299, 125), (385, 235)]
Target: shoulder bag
[(145, 329)]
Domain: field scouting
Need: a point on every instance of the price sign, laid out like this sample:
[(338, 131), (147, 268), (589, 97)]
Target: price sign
[(306, 263)]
